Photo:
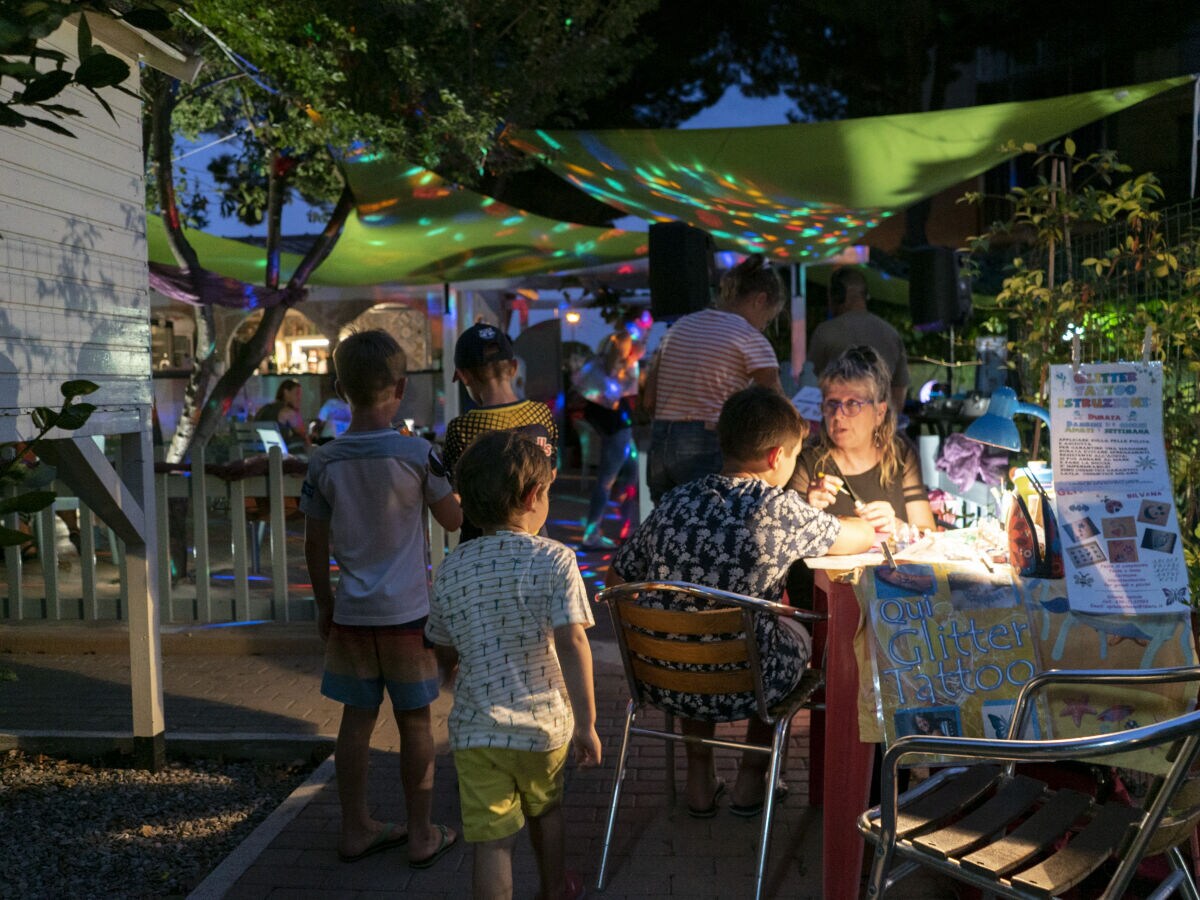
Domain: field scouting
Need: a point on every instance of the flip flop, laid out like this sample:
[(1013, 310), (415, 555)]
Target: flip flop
[(443, 848), (711, 810), (750, 810), (386, 839)]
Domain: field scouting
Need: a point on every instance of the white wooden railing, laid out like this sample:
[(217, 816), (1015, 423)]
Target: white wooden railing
[(209, 604)]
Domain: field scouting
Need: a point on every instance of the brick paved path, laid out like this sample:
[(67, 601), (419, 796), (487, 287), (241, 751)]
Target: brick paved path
[(252, 684)]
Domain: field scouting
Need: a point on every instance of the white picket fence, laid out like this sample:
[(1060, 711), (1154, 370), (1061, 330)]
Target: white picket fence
[(209, 603)]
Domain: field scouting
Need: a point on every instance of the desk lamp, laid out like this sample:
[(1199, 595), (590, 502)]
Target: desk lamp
[(995, 427)]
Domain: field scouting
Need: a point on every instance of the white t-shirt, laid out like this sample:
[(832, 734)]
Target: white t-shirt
[(704, 358), (497, 600), (374, 488)]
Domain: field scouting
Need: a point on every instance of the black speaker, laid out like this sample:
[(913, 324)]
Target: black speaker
[(682, 269), (939, 292)]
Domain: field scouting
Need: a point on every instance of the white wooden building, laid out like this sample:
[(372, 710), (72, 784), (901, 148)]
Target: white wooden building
[(74, 303)]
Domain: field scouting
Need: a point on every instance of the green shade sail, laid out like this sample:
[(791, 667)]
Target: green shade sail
[(413, 227), (795, 192), (802, 192)]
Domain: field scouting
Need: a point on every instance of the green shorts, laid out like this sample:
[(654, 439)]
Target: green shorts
[(498, 788)]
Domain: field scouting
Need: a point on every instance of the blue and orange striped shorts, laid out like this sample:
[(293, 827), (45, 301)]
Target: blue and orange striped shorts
[(360, 660)]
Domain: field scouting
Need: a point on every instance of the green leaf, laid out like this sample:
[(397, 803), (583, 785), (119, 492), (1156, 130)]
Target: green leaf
[(30, 502), (10, 537), (103, 103), (75, 416), (18, 69), (44, 87), (59, 109), (79, 388), (101, 70), (1069, 146)]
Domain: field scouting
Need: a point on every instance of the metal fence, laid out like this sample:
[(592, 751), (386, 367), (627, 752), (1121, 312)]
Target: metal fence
[(1135, 294)]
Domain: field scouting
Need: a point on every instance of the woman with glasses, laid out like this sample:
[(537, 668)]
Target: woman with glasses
[(861, 465)]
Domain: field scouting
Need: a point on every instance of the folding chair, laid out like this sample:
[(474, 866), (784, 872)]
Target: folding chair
[(655, 643), (1013, 836)]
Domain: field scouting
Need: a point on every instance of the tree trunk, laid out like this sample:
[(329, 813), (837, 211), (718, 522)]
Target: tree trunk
[(204, 370), (262, 342), (163, 92), (206, 404), (250, 355)]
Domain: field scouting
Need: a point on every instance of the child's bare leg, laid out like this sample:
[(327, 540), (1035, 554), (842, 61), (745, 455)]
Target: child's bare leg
[(750, 787), (416, 775), (549, 848), (491, 877), (701, 772), (351, 762)]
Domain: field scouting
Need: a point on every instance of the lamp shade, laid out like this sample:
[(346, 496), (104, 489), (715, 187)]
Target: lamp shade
[(996, 428)]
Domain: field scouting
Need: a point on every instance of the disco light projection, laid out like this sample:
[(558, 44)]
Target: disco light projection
[(442, 232), (802, 192), (792, 192), (737, 211), (413, 227)]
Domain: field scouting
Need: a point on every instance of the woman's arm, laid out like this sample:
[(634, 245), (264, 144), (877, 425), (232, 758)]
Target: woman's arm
[(768, 378), (920, 514)]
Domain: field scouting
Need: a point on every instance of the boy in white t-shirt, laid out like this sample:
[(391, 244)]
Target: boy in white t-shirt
[(364, 498), (509, 611)]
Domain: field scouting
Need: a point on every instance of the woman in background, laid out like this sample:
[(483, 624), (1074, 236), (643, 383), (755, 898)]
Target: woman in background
[(606, 388), (285, 412)]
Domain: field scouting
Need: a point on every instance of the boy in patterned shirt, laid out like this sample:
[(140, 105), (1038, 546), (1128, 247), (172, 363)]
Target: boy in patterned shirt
[(738, 531), (485, 362), (509, 611), (365, 498)]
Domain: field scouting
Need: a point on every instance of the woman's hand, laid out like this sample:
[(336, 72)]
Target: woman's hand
[(880, 515), (823, 491)]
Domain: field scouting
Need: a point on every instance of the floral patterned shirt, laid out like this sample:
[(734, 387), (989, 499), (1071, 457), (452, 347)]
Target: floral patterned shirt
[(734, 534)]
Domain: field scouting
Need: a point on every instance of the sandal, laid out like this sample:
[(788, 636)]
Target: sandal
[(444, 847), (386, 839), (750, 810)]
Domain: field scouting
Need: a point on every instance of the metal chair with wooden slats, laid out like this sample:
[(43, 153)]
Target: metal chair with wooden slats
[(720, 642), (1015, 836)]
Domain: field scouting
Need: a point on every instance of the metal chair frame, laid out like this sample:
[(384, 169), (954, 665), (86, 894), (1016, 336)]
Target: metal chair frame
[(881, 825), (779, 716)]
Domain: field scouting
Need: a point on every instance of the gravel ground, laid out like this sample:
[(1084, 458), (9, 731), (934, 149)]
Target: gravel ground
[(75, 830)]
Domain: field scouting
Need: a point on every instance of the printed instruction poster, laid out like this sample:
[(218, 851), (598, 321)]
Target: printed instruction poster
[(1122, 551)]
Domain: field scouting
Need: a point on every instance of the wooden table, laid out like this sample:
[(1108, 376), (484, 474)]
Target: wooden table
[(847, 780)]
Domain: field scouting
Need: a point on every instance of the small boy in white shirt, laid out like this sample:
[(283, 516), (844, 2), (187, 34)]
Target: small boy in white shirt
[(509, 611)]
